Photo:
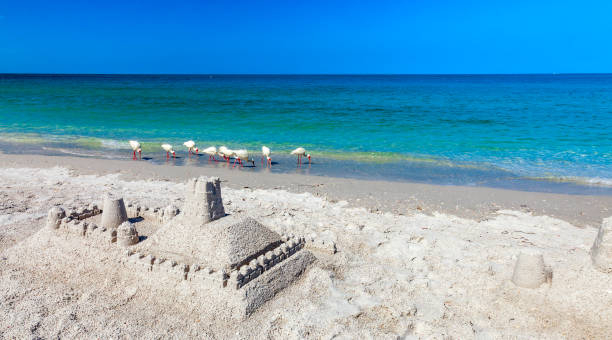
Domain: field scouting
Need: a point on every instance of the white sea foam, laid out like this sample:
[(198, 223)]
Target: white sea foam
[(113, 144), (593, 181), (600, 181), (75, 152)]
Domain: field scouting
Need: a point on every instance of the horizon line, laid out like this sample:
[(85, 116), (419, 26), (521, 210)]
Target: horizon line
[(301, 74)]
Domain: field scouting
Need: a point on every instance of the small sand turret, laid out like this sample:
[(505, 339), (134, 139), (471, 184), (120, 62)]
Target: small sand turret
[(170, 212), (601, 252), (54, 217), (127, 234), (114, 212), (530, 270)]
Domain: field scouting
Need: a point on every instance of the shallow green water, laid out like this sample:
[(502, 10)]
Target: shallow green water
[(456, 129)]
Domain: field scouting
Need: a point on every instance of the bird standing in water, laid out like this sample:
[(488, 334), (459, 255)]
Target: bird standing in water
[(168, 149), (225, 153), (265, 153), (242, 155), (136, 148), (211, 152), (301, 152), (191, 146)]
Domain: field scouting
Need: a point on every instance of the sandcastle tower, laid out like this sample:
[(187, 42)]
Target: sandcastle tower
[(203, 202), (126, 234), (54, 217), (530, 270), (113, 213), (170, 212), (601, 252)]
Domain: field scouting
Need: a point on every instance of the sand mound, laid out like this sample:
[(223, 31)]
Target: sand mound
[(227, 243)]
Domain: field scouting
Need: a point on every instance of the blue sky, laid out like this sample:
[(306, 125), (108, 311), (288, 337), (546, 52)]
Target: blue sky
[(261, 36)]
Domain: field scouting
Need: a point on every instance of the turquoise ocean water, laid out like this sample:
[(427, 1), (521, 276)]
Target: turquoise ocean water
[(530, 132)]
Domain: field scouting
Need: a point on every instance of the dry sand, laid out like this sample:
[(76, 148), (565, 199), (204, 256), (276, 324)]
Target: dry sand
[(412, 261)]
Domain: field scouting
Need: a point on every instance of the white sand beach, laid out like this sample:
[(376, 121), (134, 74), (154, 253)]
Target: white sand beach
[(391, 263)]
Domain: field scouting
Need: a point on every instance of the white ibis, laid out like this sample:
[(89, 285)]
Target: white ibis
[(191, 146), (136, 148), (265, 152), (242, 155), (168, 149), (225, 152), (211, 152), (230, 153), (301, 152)]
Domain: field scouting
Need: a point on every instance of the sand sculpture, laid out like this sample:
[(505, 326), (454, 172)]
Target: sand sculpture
[(54, 218), (233, 260), (127, 234), (601, 252), (530, 270), (114, 212)]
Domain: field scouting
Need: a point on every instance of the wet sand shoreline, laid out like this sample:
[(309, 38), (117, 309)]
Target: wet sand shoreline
[(402, 198)]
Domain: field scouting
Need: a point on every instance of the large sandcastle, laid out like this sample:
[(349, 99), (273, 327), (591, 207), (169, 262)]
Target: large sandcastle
[(234, 261)]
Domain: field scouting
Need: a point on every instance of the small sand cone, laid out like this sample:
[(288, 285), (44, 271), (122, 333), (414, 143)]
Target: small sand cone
[(127, 234), (54, 217), (530, 270), (114, 212), (170, 212), (601, 252)]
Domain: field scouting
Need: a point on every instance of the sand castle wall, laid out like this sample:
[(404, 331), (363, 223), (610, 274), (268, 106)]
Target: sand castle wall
[(236, 279), (156, 214), (74, 223), (73, 220)]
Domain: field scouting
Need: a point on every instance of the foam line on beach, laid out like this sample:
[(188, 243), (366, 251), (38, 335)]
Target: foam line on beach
[(592, 181), (153, 146), (389, 165)]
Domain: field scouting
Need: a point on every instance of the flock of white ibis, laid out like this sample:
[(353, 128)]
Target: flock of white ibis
[(240, 156)]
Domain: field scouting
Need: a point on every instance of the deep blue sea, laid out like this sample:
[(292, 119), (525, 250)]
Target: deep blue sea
[(528, 132)]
